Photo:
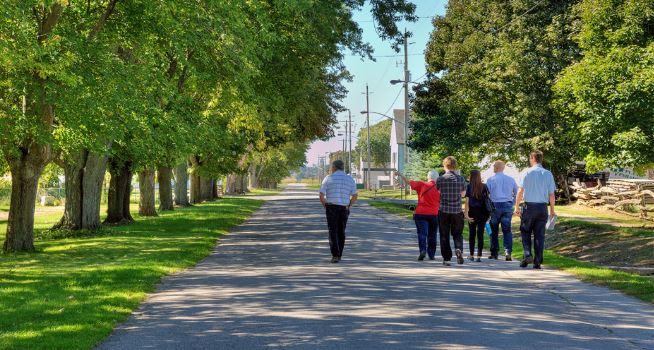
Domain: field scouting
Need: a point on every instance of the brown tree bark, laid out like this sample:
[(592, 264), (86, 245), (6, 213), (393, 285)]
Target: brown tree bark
[(25, 173), (84, 177), (120, 188), (181, 185), (146, 190), (235, 184), (74, 174), (206, 188), (214, 189), (254, 176), (196, 193), (164, 177), (94, 171)]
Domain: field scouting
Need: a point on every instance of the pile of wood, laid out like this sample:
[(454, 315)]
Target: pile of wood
[(629, 196)]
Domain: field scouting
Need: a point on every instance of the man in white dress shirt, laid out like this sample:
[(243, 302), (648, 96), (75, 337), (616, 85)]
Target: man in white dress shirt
[(337, 194)]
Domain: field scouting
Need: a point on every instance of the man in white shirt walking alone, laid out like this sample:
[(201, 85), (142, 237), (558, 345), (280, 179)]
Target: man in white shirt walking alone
[(338, 193), (537, 190)]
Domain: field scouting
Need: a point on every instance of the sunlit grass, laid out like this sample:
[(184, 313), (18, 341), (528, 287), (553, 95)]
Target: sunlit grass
[(641, 287), (263, 192), (73, 291)]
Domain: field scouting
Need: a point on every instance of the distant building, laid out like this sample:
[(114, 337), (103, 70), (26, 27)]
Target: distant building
[(380, 176), (398, 141)]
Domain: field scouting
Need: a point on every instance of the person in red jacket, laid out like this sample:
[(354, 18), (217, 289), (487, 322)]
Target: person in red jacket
[(426, 213)]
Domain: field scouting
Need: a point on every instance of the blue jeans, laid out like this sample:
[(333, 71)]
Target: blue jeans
[(502, 215), (532, 222), (427, 226)]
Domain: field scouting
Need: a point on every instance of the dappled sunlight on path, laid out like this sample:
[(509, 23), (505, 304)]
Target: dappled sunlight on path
[(269, 285)]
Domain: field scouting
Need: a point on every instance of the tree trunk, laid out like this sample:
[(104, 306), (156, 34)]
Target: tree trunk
[(196, 193), (84, 176), (181, 185), (254, 177), (214, 189), (25, 173), (164, 176), (94, 171), (120, 188), (563, 183), (235, 184), (206, 188), (147, 198), (74, 174)]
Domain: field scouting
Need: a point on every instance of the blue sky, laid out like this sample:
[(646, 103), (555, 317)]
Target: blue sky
[(378, 74)]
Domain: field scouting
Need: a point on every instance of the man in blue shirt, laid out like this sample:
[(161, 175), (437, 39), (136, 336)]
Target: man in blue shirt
[(503, 190), (537, 189), (337, 194)]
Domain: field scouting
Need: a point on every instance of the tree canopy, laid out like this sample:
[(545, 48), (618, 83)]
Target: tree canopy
[(138, 86)]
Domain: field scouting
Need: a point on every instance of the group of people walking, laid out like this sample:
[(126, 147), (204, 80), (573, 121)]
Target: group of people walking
[(440, 210)]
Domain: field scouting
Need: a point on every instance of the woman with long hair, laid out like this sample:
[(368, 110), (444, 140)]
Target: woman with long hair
[(476, 213), (426, 213)]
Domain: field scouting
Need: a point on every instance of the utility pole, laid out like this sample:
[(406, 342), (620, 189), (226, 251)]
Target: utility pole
[(406, 99), (368, 137), (349, 153)]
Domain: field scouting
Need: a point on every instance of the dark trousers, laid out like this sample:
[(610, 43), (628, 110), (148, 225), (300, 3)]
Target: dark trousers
[(336, 221), (427, 226), (532, 222), (476, 228), (501, 216), (450, 224)]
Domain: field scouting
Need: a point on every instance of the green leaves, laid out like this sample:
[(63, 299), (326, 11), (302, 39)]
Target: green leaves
[(611, 89), (493, 64)]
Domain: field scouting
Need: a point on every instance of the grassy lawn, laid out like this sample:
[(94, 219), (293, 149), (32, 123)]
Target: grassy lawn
[(73, 291), (600, 215), (263, 192), (390, 194), (641, 287)]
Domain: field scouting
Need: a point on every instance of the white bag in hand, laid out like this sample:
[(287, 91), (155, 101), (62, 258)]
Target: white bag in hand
[(551, 222)]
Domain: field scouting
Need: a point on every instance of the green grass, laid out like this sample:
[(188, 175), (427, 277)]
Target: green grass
[(73, 291), (574, 211), (263, 192), (641, 287), (390, 194)]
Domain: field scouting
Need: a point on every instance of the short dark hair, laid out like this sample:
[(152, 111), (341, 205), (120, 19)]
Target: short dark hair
[(338, 164), (537, 155)]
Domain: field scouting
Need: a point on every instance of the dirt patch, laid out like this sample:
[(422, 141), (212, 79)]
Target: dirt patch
[(609, 247)]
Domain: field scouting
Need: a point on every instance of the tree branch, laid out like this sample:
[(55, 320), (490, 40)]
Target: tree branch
[(103, 19), (49, 20)]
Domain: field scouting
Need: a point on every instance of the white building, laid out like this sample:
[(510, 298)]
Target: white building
[(398, 141)]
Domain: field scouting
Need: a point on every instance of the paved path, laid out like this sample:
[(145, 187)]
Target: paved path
[(269, 285)]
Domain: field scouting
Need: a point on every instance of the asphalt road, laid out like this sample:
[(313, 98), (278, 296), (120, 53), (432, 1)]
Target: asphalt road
[(269, 285)]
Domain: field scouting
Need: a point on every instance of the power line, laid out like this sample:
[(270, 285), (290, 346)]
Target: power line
[(396, 55), (395, 100)]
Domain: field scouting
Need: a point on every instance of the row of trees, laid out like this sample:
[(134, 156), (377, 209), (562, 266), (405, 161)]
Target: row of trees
[(167, 89), (574, 78)]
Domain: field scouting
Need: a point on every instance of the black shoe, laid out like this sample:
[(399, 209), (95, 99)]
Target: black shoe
[(459, 257), (478, 259), (508, 257), (526, 261), (537, 267), (421, 257), (432, 258), (492, 257), (335, 259)]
